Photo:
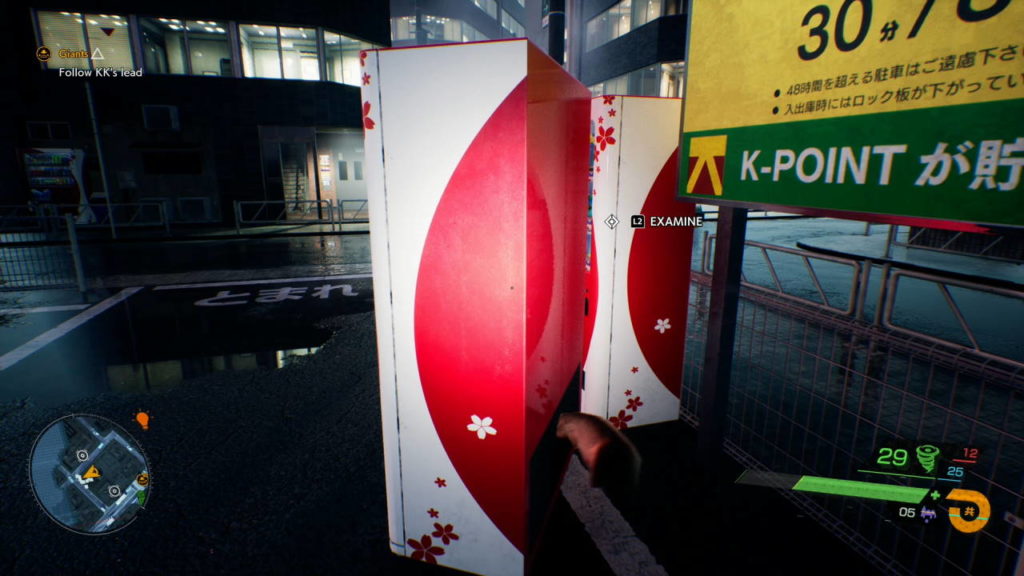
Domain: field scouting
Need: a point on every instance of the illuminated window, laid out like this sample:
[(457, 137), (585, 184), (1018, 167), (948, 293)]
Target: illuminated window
[(261, 56), (644, 11), (63, 31), (209, 51), (511, 27), (163, 46), (619, 19), (342, 55), (403, 30), (439, 30), (664, 79), (85, 40), (108, 41), (299, 53), (489, 6)]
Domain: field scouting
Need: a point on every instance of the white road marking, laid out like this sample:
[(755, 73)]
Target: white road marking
[(41, 309), (34, 345), (624, 552), (252, 282)]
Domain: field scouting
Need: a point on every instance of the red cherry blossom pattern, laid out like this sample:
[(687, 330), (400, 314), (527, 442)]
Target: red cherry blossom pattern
[(604, 137), (621, 420), (441, 482), (366, 79), (634, 369), (634, 404), (444, 533), (600, 119), (629, 392), (612, 112), (362, 58), (609, 100), (433, 513), (542, 391), (425, 550), (368, 122)]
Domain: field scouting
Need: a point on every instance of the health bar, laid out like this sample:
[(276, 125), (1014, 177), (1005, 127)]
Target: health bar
[(835, 486)]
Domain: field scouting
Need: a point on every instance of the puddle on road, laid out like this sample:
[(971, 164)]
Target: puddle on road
[(156, 340), (164, 375)]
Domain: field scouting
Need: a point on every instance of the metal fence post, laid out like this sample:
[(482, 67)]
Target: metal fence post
[(238, 218), (163, 216), (76, 254)]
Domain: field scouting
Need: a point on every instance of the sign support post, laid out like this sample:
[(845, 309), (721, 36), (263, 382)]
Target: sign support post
[(725, 294)]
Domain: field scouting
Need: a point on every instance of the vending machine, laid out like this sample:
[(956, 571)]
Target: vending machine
[(638, 262), (476, 168)]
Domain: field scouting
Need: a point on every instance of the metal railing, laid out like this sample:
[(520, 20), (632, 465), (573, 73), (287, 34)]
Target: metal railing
[(765, 271), (976, 244), (22, 218), (814, 390), (114, 216), (281, 212), (952, 293), (358, 215), (32, 261)]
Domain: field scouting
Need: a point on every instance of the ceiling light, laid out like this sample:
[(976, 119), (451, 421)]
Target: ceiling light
[(221, 30), (208, 29)]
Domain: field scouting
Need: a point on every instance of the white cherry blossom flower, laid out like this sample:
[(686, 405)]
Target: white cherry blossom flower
[(662, 325), (482, 427)]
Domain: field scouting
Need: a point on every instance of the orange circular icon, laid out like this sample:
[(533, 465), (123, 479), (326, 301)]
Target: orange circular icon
[(43, 53), (142, 479)]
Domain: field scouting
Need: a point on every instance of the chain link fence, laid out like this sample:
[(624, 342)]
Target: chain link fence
[(815, 387)]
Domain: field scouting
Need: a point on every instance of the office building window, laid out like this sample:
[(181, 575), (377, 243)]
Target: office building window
[(261, 56), (489, 6), (403, 31), (342, 56), (644, 11), (664, 79), (63, 31), (299, 53), (163, 46), (511, 27), (438, 30), (619, 19), (108, 40), (209, 50), (608, 25), (85, 41)]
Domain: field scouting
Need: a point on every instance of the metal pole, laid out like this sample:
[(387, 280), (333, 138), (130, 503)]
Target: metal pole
[(99, 155), (163, 216), (76, 254), (238, 218), (556, 31), (889, 238), (723, 307)]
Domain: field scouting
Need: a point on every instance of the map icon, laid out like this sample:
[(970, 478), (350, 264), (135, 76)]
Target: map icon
[(99, 494)]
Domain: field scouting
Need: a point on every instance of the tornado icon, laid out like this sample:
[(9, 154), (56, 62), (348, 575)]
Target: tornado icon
[(926, 454)]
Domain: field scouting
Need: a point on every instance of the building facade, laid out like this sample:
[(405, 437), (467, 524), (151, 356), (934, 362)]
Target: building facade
[(193, 106), (629, 47)]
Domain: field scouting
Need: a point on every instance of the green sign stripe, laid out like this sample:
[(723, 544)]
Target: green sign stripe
[(823, 163), (856, 489)]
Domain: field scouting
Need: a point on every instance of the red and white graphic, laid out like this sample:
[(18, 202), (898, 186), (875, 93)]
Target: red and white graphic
[(638, 281), (476, 159)]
